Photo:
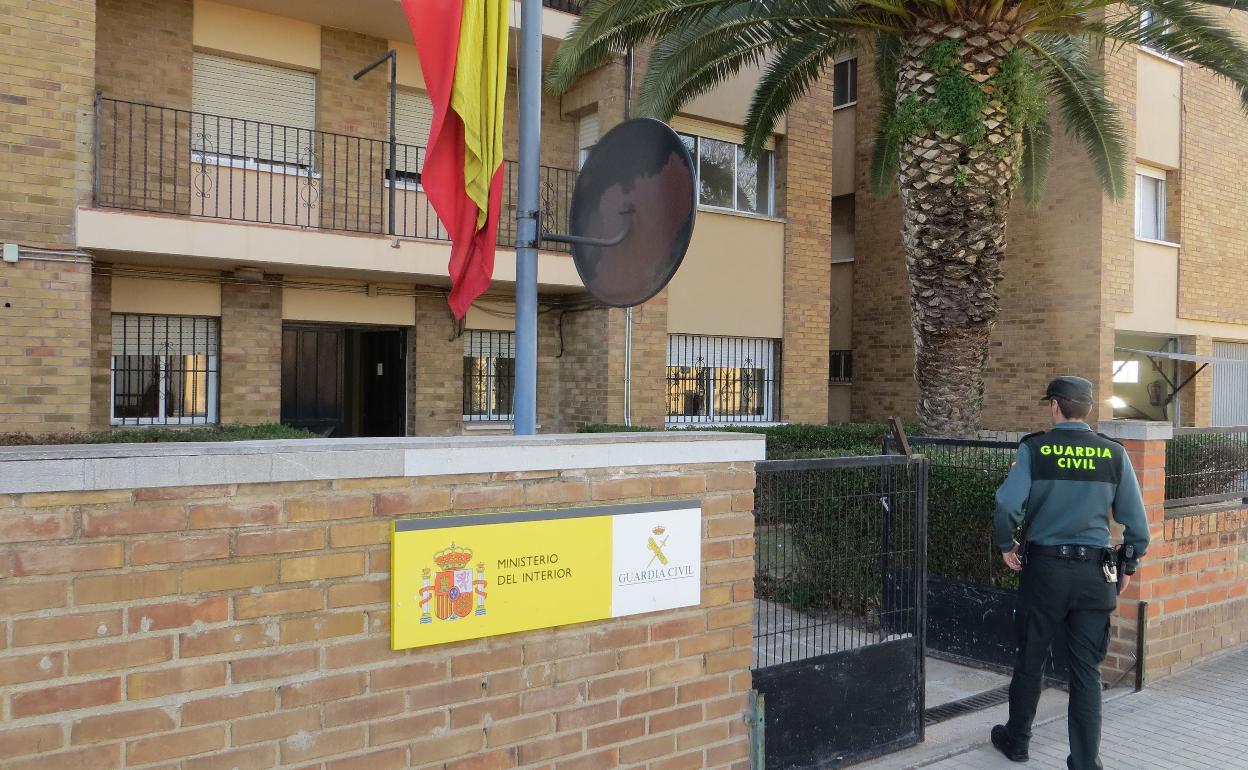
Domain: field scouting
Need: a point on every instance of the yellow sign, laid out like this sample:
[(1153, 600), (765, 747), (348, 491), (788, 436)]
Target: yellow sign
[(468, 577)]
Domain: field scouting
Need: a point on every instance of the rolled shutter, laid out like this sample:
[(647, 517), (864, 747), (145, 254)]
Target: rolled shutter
[(413, 117), (587, 131), (252, 111), (158, 335)]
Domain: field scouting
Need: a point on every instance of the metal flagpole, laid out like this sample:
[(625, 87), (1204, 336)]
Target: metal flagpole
[(527, 218)]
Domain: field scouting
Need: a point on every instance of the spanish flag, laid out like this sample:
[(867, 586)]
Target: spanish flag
[(462, 46)]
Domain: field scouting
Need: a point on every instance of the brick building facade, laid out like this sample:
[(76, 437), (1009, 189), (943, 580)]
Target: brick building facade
[(229, 186)]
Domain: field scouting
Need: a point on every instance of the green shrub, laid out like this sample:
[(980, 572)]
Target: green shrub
[(961, 499), (788, 442), (1205, 464), (604, 427), (158, 435)]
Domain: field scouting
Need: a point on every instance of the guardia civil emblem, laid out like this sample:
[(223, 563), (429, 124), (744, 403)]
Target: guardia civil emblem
[(453, 590)]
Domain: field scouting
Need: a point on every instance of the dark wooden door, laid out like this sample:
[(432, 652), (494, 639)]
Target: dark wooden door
[(382, 383), (313, 368)]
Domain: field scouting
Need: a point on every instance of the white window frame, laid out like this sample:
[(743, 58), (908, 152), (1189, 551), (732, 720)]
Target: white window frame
[(214, 382), (852, 63), (1159, 175), (1127, 372), (470, 338), (718, 361), (769, 213)]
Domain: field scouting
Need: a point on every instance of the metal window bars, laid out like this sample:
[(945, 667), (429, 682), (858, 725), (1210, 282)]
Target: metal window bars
[(722, 379), (840, 366), (489, 375), (165, 370), (166, 160)]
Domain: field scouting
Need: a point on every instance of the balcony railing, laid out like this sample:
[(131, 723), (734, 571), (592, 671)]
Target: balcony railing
[(567, 6), (161, 159)]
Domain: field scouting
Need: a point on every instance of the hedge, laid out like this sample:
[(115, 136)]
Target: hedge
[(159, 435), (799, 441)]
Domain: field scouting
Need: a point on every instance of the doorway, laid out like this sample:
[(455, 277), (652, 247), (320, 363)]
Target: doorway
[(344, 381)]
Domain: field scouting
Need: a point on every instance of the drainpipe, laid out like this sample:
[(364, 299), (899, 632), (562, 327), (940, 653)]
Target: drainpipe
[(628, 312)]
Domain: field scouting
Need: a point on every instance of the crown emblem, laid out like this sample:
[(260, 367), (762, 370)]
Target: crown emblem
[(452, 558), (659, 530)]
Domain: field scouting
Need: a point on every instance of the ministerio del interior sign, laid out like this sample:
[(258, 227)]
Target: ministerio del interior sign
[(467, 577)]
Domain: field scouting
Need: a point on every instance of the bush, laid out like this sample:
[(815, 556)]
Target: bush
[(158, 435), (605, 427), (1206, 464), (800, 441), (961, 499)]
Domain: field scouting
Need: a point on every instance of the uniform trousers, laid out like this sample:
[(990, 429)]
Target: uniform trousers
[(1070, 595)]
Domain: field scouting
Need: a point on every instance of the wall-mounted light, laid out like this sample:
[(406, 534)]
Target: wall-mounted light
[(1117, 403)]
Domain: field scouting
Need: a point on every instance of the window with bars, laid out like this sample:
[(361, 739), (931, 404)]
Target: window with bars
[(840, 366), (165, 370), (489, 375), (722, 379), (728, 179), (845, 83)]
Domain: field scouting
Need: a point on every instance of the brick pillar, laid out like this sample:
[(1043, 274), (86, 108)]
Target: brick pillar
[(251, 352), (805, 164), (101, 349), (1196, 400), (436, 371), (649, 375)]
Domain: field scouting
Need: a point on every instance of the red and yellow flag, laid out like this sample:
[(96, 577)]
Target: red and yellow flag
[(463, 56)]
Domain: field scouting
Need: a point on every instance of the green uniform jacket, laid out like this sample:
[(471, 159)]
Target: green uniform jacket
[(1071, 478)]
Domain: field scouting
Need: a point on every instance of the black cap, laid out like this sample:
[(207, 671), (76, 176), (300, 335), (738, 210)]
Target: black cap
[(1074, 389)]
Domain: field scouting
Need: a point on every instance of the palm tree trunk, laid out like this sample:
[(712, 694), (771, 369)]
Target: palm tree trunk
[(955, 197)]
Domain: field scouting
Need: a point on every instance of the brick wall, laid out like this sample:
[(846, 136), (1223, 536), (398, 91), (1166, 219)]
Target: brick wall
[(251, 352), (101, 349), (247, 626), (804, 180), (1194, 578), (45, 120), (45, 346), (1214, 230), (436, 371)]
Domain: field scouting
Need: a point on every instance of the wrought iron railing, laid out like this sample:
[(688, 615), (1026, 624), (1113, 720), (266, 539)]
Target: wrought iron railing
[(1207, 465), (167, 160), (714, 380)]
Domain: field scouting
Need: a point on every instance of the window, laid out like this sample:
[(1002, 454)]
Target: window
[(1150, 204), (721, 379), (252, 113), (165, 370), (586, 137), (489, 375), (413, 117), (1127, 372), (845, 83), (728, 179), (840, 365)]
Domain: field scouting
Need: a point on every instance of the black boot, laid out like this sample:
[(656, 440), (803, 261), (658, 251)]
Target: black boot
[(1013, 750)]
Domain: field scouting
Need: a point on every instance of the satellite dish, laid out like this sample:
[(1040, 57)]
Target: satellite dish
[(632, 212)]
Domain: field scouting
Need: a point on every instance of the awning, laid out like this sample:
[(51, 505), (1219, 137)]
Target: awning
[(1191, 357)]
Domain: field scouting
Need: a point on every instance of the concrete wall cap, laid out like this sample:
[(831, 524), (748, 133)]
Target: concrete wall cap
[(62, 468), (1137, 430)]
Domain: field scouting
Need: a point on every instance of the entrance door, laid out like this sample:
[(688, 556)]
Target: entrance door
[(343, 381), (381, 382), (313, 381)]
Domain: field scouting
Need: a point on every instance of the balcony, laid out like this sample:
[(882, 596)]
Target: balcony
[(171, 161), (567, 6)]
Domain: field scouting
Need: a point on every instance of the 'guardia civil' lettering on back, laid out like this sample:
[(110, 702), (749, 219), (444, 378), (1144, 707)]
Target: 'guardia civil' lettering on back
[(1075, 457)]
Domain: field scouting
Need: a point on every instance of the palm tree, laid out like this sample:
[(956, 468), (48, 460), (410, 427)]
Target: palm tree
[(967, 91)]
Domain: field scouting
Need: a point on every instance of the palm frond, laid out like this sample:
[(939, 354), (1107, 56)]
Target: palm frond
[(1037, 150), (887, 62), (706, 52), (1183, 31), (886, 154), (786, 79), (1086, 112)]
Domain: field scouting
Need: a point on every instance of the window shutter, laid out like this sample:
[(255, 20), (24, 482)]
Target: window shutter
[(146, 335), (252, 111), (587, 131), (413, 117), (713, 131)]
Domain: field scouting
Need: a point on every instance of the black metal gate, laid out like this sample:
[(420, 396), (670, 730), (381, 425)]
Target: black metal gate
[(840, 606)]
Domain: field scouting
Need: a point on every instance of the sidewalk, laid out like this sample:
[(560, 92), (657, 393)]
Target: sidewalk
[(1197, 720)]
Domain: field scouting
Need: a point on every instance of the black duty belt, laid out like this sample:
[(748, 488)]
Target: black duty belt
[(1072, 552)]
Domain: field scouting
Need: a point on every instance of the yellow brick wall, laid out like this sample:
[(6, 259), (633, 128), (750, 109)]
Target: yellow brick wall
[(251, 352)]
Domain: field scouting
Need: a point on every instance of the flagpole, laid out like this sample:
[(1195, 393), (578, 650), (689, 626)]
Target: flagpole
[(530, 86)]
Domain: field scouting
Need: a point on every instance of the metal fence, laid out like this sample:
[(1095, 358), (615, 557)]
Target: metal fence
[(166, 160), (567, 6), (1207, 465), (963, 478), (840, 545)]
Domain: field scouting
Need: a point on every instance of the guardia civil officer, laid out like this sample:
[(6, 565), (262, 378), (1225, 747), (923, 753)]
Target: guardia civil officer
[(1052, 524)]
